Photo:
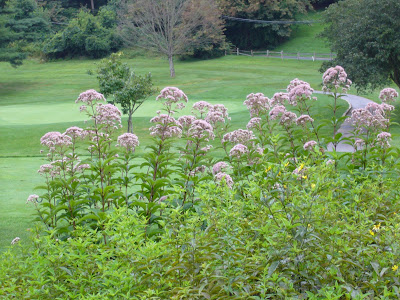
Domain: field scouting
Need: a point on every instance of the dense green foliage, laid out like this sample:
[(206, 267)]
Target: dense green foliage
[(86, 35), (23, 26), (364, 34), (260, 36)]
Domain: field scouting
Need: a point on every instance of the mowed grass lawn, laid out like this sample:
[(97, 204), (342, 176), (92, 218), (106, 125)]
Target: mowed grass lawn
[(40, 97)]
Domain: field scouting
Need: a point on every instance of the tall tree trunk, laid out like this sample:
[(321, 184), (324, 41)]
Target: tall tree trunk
[(171, 66), (130, 125), (92, 4)]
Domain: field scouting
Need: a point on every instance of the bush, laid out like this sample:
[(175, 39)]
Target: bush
[(277, 216), (86, 35)]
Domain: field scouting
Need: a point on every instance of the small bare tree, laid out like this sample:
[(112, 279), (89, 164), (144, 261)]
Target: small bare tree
[(170, 27)]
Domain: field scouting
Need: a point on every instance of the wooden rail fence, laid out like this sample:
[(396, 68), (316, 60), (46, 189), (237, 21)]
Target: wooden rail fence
[(283, 55)]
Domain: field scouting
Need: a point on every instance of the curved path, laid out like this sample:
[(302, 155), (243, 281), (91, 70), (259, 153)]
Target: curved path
[(346, 128)]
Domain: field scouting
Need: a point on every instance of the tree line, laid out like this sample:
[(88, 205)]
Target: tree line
[(363, 33), (96, 28)]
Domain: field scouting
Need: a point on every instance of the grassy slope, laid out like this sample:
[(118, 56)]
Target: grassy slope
[(305, 38)]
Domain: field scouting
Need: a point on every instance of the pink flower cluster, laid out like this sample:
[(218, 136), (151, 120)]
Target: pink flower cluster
[(32, 198), (383, 139), (303, 119), (335, 78), (202, 107), (309, 146), (221, 176), (300, 91), (388, 95), (49, 169), (173, 95), (373, 116), (254, 123), (55, 139), (109, 115), (238, 151), (239, 136), (277, 111), (166, 126), (89, 97), (219, 166), (294, 83), (217, 114), (15, 241), (129, 141), (257, 104), (279, 99), (76, 132), (201, 129), (186, 121), (288, 118), (81, 167)]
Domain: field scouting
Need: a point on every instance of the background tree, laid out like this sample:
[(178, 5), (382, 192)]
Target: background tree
[(86, 35), (254, 35), (170, 27), (365, 36), (116, 79), (23, 26)]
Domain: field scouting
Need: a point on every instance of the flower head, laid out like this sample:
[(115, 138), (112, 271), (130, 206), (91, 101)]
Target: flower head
[(335, 78), (32, 198), (388, 95), (166, 126), (279, 99), (219, 166), (221, 176), (254, 123), (309, 146), (257, 104), (109, 115), (55, 139), (382, 140), (173, 95), (238, 151), (89, 97), (16, 240), (201, 129), (239, 136), (129, 141)]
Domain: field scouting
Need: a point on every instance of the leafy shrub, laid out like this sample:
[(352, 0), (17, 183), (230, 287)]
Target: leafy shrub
[(276, 217), (86, 35)]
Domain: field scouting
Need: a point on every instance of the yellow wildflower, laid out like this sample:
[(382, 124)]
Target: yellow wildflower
[(376, 228), (286, 164), (279, 174), (304, 177), (313, 185), (301, 167), (371, 232), (268, 169), (395, 267)]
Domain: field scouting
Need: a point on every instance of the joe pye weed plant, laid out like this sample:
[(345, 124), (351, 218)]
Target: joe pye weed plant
[(275, 216)]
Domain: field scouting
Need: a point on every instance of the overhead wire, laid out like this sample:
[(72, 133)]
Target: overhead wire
[(268, 22)]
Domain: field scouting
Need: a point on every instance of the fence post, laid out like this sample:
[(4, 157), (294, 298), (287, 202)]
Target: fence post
[(267, 53), (237, 51), (298, 56), (282, 54), (251, 51), (315, 56)]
